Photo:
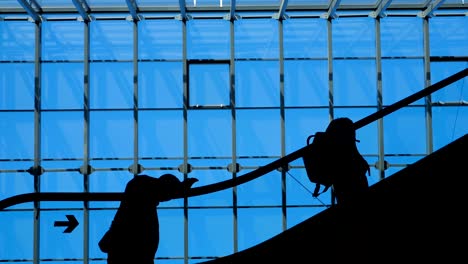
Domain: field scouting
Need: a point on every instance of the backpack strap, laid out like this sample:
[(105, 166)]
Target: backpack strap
[(317, 189)]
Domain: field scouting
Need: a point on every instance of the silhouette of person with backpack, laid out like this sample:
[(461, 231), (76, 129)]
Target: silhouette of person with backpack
[(133, 236), (349, 170), (335, 161)]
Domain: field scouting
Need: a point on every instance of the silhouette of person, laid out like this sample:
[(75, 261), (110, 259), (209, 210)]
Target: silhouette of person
[(349, 167), (133, 236)]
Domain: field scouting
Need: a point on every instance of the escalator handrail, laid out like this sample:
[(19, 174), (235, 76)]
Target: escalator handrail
[(219, 186)]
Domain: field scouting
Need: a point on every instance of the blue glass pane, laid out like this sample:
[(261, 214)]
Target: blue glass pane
[(62, 85), (62, 135), (449, 123), (99, 223), (16, 183), (171, 233), (111, 85), (401, 36), (211, 176), (455, 92), (17, 40), (160, 39), (209, 133), (160, 134), (265, 190), (258, 225), (305, 38), (63, 181), (105, 142), (209, 84), (256, 38), (62, 40), (208, 39), (257, 83), (405, 131), (299, 215), (17, 235), (56, 244), (258, 132), (353, 37), (354, 82), (111, 40), (306, 83), (448, 36), (401, 78), (299, 191), (300, 123), (160, 85), (211, 232), (16, 86), (17, 135)]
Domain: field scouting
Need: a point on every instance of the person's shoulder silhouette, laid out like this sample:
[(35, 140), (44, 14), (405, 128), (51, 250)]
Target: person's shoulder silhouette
[(134, 233)]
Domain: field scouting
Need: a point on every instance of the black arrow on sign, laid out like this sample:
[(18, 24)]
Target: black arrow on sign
[(70, 224)]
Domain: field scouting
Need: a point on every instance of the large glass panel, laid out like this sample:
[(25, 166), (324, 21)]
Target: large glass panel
[(111, 40), (448, 36), (401, 78), (455, 92), (62, 40), (405, 131), (208, 39), (16, 183), (258, 133), (306, 83), (160, 39), (16, 86), (401, 36), (449, 124), (263, 191), (17, 40), (62, 135), (17, 135), (299, 215), (171, 232), (209, 84), (160, 85), (257, 225), (209, 133), (210, 171), (62, 86), (353, 37), (256, 38), (354, 82), (305, 38), (111, 85), (300, 123), (160, 134), (299, 190), (111, 134), (257, 83), (17, 235), (55, 244), (210, 232)]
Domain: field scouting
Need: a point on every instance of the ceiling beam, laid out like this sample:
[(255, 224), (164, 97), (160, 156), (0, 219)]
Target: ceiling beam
[(381, 8), (133, 8), (83, 8), (429, 11), (28, 6), (281, 12), (331, 13)]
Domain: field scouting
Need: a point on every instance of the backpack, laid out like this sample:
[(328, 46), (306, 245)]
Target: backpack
[(338, 138)]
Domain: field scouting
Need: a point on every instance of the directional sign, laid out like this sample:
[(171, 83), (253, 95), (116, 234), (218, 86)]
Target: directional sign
[(70, 224)]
